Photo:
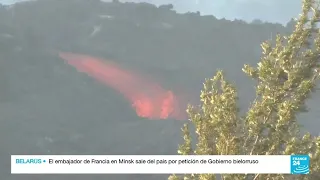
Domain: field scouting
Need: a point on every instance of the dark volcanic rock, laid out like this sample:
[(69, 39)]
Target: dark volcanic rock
[(47, 107)]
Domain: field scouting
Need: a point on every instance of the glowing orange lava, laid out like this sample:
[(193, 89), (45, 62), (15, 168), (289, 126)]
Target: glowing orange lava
[(148, 99)]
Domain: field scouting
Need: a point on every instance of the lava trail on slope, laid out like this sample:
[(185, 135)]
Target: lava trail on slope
[(148, 98)]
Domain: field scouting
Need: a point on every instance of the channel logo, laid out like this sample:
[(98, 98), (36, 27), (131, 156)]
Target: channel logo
[(30, 161), (300, 164)]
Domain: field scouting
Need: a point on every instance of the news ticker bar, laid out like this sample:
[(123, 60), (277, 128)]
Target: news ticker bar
[(160, 164)]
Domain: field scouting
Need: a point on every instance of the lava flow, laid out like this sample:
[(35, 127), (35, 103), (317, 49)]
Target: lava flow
[(148, 98)]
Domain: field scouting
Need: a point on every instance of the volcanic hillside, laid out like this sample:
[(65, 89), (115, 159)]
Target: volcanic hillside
[(48, 107)]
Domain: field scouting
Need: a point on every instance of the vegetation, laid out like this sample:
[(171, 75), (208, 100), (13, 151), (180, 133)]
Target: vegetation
[(153, 39), (285, 77)]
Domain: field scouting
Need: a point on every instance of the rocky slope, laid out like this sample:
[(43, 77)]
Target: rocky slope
[(48, 107)]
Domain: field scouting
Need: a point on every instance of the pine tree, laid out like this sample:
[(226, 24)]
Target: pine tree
[(286, 76)]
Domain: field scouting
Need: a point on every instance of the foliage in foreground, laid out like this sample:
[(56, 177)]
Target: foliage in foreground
[(285, 76)]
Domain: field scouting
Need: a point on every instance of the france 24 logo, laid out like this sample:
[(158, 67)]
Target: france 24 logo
[(300, 164)]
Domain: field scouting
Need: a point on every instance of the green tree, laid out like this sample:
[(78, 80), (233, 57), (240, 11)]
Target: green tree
[(285, 76)]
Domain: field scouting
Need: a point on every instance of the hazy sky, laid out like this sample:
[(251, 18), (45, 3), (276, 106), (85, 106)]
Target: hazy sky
[(267, 10)]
